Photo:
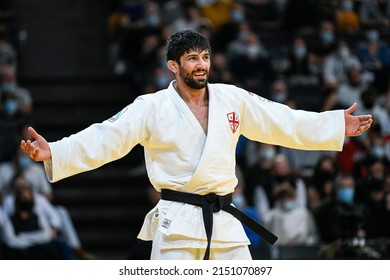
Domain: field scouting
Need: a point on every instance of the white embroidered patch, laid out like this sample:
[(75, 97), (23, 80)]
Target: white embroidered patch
[(117, 116), (166, 223)]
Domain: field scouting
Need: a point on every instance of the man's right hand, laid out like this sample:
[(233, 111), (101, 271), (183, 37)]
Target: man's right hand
[(38, 150)]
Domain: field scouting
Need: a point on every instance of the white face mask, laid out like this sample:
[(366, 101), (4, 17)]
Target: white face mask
[(343, 52), (289, 205), (253, 50)]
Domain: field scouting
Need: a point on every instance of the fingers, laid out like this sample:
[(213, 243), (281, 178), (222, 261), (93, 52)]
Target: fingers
[(33, 133), (364, 126), (351, 109), (30, 149)]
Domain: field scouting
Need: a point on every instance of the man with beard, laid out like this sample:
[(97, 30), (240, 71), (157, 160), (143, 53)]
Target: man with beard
[(189, 132)]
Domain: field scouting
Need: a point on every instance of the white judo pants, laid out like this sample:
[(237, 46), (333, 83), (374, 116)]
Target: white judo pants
[(240, 252)]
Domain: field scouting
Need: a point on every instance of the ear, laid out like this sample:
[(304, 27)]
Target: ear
[(172, 65)]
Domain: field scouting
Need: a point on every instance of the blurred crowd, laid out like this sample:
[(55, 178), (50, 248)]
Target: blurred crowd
[(32, 225), (307, 54)]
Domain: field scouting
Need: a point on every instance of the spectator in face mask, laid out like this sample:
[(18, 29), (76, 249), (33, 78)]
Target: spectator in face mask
[(249, 61), (342, 224), (337, 63), (370, 104), (341, 218), (374, 54), (280, 173), (326, 43), (10, 121), (284, 217), (34, 173), (347, 20), (27, 234), (301, 69), (9, 83)]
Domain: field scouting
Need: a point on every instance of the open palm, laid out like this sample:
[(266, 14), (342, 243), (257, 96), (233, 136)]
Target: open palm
[(356, 125), (39, 149)]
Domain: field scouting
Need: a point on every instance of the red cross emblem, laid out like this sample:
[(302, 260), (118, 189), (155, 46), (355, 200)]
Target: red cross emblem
[(234, 121)]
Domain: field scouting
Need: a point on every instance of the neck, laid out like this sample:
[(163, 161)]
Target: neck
[(190, 95)]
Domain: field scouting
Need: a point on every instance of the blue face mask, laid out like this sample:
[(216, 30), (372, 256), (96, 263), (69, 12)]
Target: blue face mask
[(10, 107), (299, 51), (378, 151), (289, 205), (347, 6), (279, 97), (237, 16), (24, 162), (326, 37), (346, 194), (9, 87), (152, 20), (372, 36)]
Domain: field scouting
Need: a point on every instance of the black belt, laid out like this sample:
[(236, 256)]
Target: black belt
[(214, 203)]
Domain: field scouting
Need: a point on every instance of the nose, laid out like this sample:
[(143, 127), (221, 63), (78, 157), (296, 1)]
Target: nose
[(201, 63)]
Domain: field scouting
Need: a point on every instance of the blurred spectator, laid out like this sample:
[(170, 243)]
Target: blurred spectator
[(321, 184), (191, 19), (129, 25), (11, 120), (337, 63), (27, 234), (63, 230), (219, 12), (300, 68), (259, 173), (279, 92), (325, 45), (280, 173), (374, 54), (34, 172), (378, 222), (284, 217), (220, 72), (346, 18), (374, 13), (370, 105), (249, 61), (373, 171), (340, 222), (347, 93), (9, 83), (8, 55), (228, 31)]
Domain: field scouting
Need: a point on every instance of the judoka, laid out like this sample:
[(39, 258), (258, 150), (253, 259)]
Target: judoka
[(189, 132)]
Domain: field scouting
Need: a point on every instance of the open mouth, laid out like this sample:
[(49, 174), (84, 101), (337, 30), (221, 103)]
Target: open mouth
[(200, 74)]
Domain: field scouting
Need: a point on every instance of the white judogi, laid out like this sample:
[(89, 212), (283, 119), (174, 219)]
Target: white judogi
[(180, 156)]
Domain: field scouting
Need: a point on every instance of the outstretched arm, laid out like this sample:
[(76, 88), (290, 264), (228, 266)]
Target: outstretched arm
[(39, 149), (356, 125)]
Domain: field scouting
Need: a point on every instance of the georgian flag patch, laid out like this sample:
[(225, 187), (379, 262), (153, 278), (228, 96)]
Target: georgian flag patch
[(234, 121)]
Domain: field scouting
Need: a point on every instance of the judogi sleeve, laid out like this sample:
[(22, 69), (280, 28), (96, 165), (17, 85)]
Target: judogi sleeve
[(277, 124), (98, 144)]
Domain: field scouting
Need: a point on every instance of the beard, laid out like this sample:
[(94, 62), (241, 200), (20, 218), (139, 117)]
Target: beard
[(191, 82)]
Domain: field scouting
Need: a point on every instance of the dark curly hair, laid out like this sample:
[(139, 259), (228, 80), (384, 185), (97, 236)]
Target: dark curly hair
[(185, 41)]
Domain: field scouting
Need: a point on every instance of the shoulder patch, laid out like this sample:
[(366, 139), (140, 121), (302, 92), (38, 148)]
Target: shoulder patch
[(118, 115)]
